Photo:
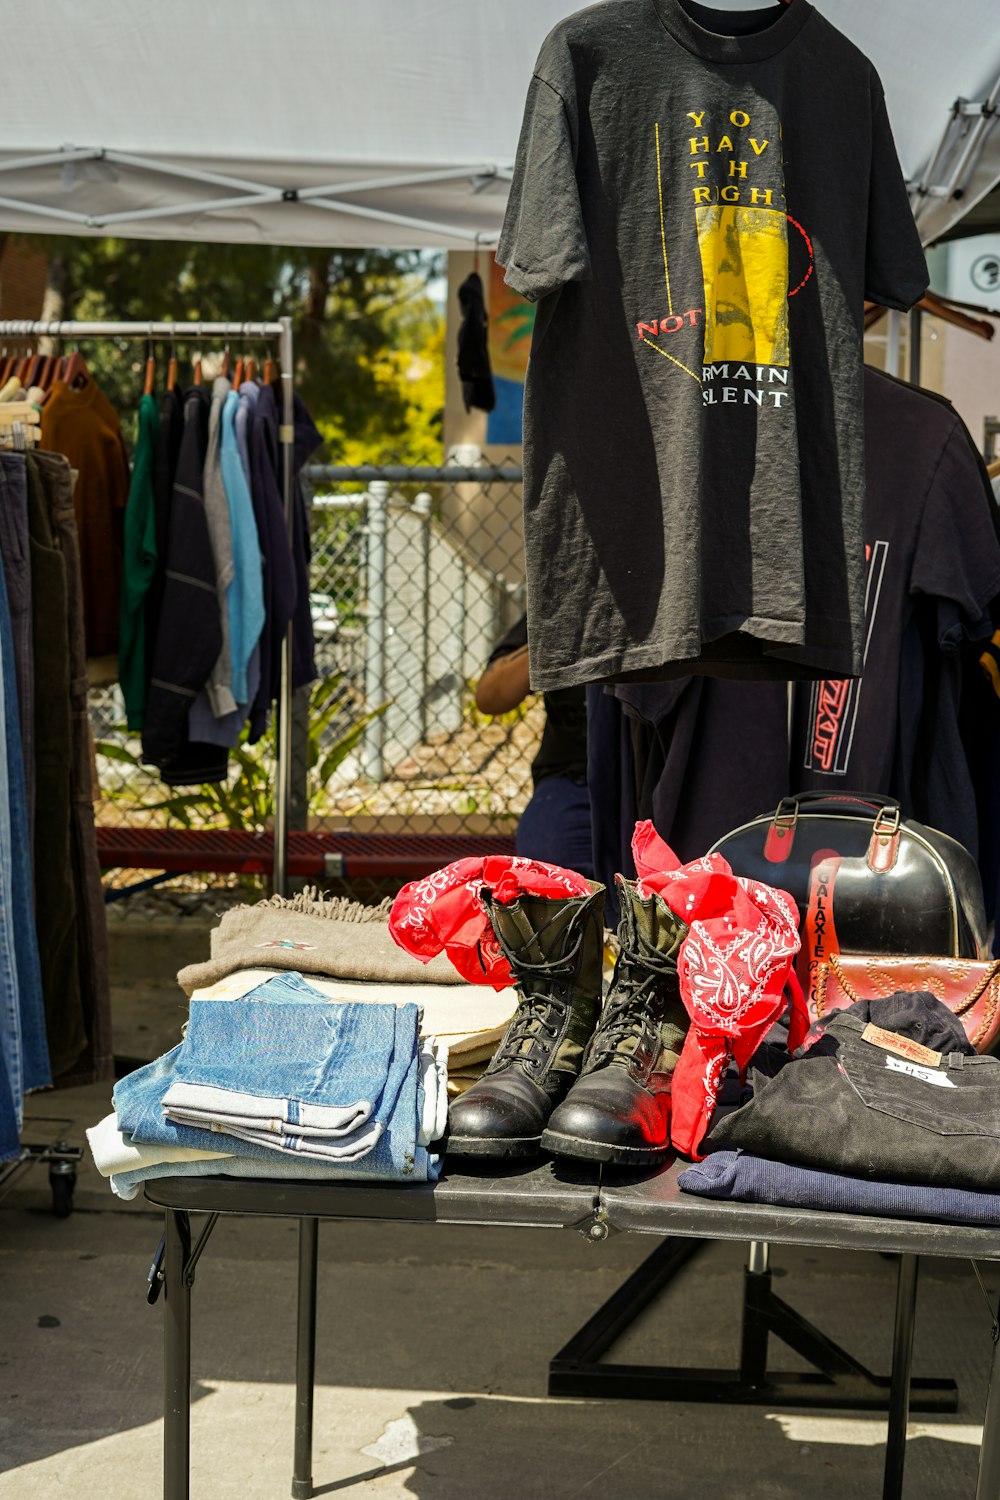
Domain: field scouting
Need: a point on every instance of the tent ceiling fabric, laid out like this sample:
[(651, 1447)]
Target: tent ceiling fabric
[(162, 102)]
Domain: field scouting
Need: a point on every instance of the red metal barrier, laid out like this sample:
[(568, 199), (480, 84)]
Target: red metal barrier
[(333, 855)]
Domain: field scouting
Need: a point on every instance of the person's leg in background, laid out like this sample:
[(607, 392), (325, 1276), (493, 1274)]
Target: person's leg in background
[(555, 825)]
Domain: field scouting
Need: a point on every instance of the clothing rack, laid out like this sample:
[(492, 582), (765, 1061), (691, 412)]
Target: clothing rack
[(280, 329)]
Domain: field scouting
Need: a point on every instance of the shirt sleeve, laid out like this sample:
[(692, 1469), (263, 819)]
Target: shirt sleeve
[(543, 243), (895, 268), (957, 558)]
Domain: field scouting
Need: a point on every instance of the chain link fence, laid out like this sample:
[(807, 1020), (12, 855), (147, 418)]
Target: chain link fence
[(416, 574)]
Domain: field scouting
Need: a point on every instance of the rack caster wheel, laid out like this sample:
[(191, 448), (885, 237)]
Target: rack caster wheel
[(62, 1181)]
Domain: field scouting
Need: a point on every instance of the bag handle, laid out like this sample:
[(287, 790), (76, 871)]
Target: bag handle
[(883, 848), (863, 801)]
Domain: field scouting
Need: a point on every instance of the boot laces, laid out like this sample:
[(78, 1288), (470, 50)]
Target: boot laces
[(638, 1009), (536, 1011)]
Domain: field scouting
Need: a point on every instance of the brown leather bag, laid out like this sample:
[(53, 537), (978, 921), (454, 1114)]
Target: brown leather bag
[(969, 988)]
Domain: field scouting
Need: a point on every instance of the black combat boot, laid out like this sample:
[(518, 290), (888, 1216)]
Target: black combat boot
[(619, 1108), (554, 947)]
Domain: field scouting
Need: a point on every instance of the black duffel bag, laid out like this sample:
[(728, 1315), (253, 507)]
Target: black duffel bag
[(865, 879)]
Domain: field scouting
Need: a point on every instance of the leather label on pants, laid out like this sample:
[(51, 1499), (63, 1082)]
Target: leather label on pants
[(891, 1041)]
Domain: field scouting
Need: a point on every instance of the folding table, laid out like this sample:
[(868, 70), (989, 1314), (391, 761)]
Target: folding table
[(556, 1195)]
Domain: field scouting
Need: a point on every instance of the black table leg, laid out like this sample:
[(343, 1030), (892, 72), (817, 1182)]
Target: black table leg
[(988, 1486), (176, 1357), (305, 1359), (902, 1364)]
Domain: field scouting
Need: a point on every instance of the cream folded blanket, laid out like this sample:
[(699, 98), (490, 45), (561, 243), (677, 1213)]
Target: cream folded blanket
[(338, 938), (470, 1018)]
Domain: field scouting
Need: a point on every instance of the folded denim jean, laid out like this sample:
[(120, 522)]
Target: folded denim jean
[(426, 1168), (869, 1102), (394, 1157), (214, 1108), (740, 1178), (116, 1154), (286, 1041)]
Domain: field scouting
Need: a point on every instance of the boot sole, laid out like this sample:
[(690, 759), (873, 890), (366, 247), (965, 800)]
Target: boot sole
[(470, 1145), (618, 1156)]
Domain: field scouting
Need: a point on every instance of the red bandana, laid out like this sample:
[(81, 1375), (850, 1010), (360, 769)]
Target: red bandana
[(733, 967), (443, 911)]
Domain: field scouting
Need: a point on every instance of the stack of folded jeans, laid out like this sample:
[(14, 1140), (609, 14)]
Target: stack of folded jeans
[(282, 1082), (469, 1019), (890, 1112), (346, 952)]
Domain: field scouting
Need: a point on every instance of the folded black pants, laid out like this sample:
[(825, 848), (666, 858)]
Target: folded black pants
[(879, 1108)]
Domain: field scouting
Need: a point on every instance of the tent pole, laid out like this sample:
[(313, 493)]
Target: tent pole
[(283, 769), (916, 329), (895, 320)]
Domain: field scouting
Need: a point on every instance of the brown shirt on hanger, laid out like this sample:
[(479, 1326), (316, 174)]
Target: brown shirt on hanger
[(84, 426)]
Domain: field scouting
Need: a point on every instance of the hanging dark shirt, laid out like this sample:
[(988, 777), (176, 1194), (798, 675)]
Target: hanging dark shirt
[(279, 567), (933, 573), (701, 202), (709, 755), (474, 369), (168, 447), (189, 630), (307, 439)]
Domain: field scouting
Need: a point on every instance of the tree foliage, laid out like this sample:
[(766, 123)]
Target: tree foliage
[(369, 339)]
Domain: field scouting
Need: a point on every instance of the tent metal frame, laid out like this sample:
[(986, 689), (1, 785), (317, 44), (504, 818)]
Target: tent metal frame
[(965, 131), (281, 330), (246, 193)]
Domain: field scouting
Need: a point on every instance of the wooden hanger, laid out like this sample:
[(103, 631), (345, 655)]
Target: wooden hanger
[(196, 370), (224, 369), (238, 377), (251, 366), (75, 372), (270, 372), (172, 368), (931, 303)]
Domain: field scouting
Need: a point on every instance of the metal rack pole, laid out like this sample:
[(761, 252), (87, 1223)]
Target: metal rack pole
[(283, 770), (282, 331), (15, 328)]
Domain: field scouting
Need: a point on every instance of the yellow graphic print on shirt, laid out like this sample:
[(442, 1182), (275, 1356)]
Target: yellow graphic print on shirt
[(744, 263), (727, 163)]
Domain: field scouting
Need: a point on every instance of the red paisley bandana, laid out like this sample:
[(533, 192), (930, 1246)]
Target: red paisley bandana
[(733, 967), (443, 911)]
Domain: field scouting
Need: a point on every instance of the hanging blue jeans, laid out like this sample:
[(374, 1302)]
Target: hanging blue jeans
[(23, 1045), (37, 1073)]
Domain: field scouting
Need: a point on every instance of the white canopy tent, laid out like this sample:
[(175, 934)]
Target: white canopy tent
[(388, 122)]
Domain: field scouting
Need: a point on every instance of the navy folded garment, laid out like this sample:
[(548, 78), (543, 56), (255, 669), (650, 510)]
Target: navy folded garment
[(740, 1178)]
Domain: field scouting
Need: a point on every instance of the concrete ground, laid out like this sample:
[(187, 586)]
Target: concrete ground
[(433, 1351)]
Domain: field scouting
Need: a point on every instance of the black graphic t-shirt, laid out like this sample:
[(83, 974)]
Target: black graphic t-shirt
[(700, 217), (933, 574)]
